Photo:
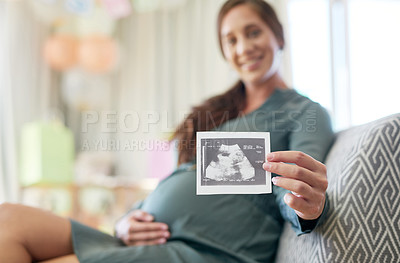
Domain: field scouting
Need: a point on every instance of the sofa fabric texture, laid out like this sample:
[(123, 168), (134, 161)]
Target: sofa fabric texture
[(363, 222)]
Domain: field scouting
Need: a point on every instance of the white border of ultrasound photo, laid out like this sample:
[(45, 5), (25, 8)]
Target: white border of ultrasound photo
[(222, 187)]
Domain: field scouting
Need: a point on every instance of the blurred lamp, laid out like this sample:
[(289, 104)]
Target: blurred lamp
[(60, 51), (98, 54)]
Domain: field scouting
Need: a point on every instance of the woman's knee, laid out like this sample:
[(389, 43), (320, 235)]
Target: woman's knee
[(7, 212), (41, 233), (15, 218), (10, 214)]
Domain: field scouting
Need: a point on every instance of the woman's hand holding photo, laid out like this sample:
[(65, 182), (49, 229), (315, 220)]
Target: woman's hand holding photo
[(306, 180)]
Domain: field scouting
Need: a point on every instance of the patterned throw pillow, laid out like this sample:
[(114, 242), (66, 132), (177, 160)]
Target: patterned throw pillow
[(363, 223)]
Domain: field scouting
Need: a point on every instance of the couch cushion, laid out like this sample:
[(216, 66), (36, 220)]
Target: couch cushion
[(363, 223)]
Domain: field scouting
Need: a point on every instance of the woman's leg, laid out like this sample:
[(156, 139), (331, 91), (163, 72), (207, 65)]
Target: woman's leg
[(28, 234), (65, 259)]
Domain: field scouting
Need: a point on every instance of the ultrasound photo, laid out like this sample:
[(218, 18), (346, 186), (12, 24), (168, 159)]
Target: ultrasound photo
[(231, 163)]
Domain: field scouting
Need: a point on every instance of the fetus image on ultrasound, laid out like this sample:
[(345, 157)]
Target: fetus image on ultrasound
[(231, 164)]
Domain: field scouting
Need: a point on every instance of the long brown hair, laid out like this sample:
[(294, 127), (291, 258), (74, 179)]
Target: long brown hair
[(219, 109)]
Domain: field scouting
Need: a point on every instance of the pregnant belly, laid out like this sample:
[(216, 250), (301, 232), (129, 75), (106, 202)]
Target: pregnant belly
[(175, 198), (233, 222), (175, 203)]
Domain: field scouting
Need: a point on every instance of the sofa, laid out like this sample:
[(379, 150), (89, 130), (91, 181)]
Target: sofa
[(363, 221)]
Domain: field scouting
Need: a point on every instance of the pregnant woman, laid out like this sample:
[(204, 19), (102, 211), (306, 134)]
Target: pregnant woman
[(174, 224)]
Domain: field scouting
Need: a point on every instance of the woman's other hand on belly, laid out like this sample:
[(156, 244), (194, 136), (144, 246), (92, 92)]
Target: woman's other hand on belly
[(139, 229)]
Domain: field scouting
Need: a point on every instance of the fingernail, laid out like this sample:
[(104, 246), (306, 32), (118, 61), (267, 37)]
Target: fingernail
[(274, 180), (166, 234), (267, 166), (270, 156), (164, 227), (162, 241)]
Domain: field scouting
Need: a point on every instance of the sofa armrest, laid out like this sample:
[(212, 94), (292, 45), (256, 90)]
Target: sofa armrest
[(363, 222)]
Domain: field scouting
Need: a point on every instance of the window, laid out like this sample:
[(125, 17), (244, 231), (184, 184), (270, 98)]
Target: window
[(374, 42), (345, 56), (310, 49)]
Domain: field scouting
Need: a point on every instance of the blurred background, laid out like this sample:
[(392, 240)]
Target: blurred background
[(91, 90)]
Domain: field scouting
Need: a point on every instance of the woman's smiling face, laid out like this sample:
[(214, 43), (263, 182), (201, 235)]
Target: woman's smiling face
[(249, 45)]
